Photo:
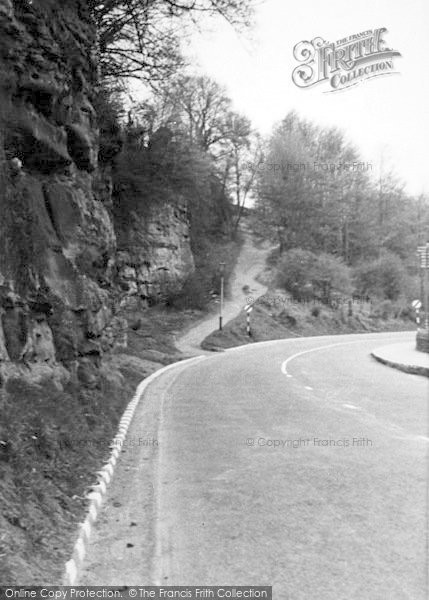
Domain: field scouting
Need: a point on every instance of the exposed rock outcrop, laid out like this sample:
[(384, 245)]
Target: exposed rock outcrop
[(62, 280), (155, 257)]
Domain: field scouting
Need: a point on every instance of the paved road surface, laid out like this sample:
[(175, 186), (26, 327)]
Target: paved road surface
[(250, 263), (215, 502)]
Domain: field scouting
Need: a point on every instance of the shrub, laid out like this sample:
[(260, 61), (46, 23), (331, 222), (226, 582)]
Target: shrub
[(330, 274), (200, 287), (139, 183), (273, 257), (384, 309), (384, 277), (307, 275), (193, 294), (110, 111), (294, 272)]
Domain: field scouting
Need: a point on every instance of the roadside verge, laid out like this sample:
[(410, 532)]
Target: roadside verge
[(104, 476), (403, 357)]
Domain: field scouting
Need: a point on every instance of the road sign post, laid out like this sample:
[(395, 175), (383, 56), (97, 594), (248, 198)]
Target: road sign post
[(426, 298), (416, 304), (222, 267), (248, 308), (423, 252)]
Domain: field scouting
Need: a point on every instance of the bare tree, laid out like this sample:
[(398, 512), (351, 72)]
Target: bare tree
[(140, 38)]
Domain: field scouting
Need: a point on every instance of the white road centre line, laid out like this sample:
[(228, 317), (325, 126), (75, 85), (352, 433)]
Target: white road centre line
[(288, 360)]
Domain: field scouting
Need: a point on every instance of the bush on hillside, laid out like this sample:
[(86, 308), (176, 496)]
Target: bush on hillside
[(294, 272), (110, 111), (384, 277), (307, 275), (200, 288), (194, 294), (330, 274)]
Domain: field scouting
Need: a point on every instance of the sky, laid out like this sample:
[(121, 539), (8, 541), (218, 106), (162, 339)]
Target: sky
[(387, 118)]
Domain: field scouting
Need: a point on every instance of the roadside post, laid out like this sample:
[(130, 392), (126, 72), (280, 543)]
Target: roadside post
[(248, 308), (222, 270), (416, 304), (423, 252)]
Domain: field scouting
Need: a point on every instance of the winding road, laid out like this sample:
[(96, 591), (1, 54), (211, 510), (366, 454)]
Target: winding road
[(298, 463), (251, 261)]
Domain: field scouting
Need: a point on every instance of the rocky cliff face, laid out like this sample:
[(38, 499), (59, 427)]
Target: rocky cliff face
[(63, 277), (154, 256)]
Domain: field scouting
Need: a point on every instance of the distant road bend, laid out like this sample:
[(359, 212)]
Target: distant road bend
[(295, 463), (250, 263)]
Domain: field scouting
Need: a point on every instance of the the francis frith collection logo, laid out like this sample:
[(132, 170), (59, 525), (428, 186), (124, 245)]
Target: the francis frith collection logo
[(344, 63)]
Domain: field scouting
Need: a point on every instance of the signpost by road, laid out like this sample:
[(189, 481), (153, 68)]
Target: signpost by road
[(423, 252), (416, 304), (248, 308), (222, 268)]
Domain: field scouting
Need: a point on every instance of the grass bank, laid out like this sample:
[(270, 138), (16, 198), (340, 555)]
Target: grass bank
[(275, 316)]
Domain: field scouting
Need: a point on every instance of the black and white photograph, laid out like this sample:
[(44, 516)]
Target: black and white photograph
[(214, 299)]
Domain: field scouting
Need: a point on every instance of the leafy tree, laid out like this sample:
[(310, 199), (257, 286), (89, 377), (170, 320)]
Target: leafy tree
[(330, 277), (314, 193), (286, 187), (245, 153), (198, 112)]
